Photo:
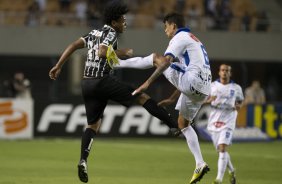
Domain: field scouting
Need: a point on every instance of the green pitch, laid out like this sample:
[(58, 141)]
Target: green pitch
[(134, 161)]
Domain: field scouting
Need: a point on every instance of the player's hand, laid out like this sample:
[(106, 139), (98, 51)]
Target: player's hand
[(210, 100), (54, 72), (141, 89), (237, 106), (165, 102)]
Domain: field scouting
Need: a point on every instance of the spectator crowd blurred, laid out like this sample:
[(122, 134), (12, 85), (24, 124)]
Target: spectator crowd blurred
[(232, 15), (17, 87), (254, 94)]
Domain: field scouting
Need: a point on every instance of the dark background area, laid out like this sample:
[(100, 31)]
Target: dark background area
[(43, 89)]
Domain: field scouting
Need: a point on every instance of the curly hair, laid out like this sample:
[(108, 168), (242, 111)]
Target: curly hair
[(114, 10)]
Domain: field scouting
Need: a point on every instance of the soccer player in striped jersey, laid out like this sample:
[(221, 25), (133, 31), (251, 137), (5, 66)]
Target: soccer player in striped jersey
[(226, 99), (99, 85), (186, 66)]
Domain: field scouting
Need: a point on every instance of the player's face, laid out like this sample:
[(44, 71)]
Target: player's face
[(225, 72), (170, 29), (120, 24)]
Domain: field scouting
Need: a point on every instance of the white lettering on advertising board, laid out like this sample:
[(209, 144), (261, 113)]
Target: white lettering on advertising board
[(134, 117)]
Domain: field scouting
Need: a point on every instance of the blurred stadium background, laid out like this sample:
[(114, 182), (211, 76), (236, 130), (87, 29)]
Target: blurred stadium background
[(247, 34)]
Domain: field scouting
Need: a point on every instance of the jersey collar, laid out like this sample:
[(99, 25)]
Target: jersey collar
[(106, 25), (185, 29), (230, 81)]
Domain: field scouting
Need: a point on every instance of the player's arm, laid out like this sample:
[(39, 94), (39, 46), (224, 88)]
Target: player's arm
[(239, 102), (71, 48), (121, 53), (262, 99), (102, 52), (210, 99), (124, 53), (173, 97), (108, 42), (162, 63), (238, 105)]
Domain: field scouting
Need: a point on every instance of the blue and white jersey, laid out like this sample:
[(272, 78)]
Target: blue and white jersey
[(193, 58), (223, 113)]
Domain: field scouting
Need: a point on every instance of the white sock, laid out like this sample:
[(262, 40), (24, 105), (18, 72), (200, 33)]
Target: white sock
[(221, 165), (136, 62), (229, 163), (193, 144)]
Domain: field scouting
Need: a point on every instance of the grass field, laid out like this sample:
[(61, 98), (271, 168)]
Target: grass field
[(135, 161)]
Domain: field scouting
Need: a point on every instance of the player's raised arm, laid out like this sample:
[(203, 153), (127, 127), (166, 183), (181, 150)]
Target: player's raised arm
[(56, 70), (209, 99)]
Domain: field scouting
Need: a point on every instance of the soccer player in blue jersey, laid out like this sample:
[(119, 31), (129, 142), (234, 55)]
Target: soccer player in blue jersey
[(186, 66), (226, 99)]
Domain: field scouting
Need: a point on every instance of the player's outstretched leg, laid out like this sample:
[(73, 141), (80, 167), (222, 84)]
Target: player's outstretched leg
[(232, 177), (199, 172), (82, 171)]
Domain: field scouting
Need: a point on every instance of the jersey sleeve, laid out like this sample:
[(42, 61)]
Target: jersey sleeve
[(213, 89), (239, 95), (175, 47), (110, 38), (85, 39)]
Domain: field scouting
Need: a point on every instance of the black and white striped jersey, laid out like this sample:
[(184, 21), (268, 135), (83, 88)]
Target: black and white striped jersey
[(94, 65)]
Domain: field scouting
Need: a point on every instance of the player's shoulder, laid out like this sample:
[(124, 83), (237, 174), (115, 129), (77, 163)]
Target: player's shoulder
[(95, 32), (235, 85), (216, 82), (182, 35), (107, 29), (175, 41)]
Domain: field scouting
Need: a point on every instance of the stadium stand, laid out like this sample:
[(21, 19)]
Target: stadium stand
[(232, 15)]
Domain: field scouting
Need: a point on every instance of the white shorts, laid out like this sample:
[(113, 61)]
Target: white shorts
[(190, 100), (188, 106), (222, 137)]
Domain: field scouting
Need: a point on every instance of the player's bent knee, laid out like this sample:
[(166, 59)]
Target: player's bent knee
[(182, 122), (142, 98), (95, 126), (222, 148)]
